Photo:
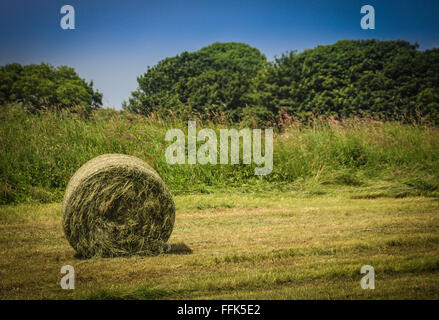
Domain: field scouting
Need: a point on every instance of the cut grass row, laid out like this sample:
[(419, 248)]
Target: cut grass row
[(247, 246)]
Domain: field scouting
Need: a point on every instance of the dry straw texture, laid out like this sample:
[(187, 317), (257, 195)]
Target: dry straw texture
[(117, 205)]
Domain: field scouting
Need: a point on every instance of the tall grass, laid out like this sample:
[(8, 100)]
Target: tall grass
[(39, 153)]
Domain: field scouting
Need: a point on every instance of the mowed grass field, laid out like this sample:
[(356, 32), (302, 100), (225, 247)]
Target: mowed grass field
[(272, 245), (344, 192)]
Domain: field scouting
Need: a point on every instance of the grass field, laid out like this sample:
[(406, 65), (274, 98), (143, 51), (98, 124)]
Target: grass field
[(40, 153), (287, 245), (343, 193)]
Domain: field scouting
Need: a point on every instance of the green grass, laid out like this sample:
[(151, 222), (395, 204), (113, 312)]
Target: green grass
[(246, 246), (39, 154), (343, 194)]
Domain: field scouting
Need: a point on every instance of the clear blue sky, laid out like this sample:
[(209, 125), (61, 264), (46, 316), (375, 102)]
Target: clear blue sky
[(114, 41)]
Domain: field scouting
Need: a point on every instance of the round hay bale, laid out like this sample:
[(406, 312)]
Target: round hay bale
[(117, 205)]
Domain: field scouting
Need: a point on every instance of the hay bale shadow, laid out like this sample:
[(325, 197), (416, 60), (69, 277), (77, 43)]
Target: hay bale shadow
[(80, 256), (178, 248), (170, 248)]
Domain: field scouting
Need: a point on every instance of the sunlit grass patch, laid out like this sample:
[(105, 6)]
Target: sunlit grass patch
[(249, 246)]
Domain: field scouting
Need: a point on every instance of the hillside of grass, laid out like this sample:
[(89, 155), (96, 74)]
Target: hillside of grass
[(40, 152)]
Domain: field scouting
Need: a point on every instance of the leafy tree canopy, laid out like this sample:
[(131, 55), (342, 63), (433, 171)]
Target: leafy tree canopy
[(390, 78), (214, 79), (40, 86)]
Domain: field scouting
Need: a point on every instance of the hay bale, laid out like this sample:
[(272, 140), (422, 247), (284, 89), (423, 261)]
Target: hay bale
[(117, 205)]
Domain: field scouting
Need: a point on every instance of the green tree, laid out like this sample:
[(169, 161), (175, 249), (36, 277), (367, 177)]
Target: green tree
[(211, 80), (390, 78), (40, 86)]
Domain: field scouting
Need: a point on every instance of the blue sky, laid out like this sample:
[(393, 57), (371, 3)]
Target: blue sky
[(114, 41)]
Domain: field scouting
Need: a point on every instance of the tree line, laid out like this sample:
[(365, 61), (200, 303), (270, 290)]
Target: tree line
[(386, 78)]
